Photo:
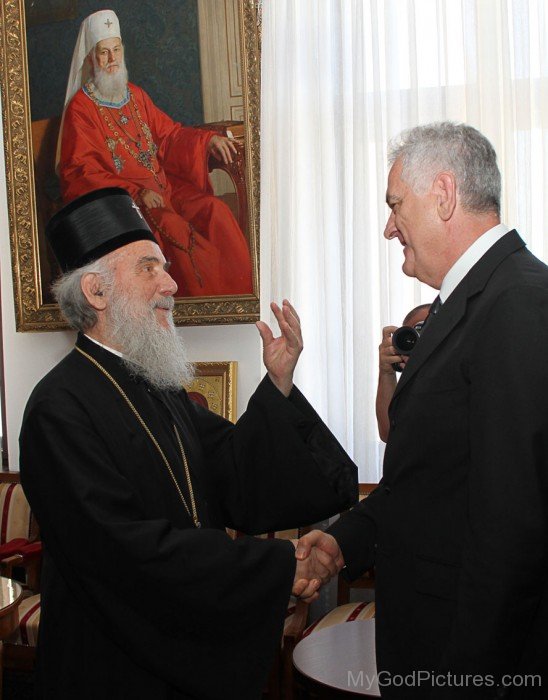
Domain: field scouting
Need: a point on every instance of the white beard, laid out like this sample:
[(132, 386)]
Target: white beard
[(110, 87), (151, 351)]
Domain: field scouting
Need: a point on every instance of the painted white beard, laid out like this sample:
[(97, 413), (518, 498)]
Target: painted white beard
[(151, 351), (110, 87)]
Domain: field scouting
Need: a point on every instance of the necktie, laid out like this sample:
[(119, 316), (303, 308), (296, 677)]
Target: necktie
[(434, 308)]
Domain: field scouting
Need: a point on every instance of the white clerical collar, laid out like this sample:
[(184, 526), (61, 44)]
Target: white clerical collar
[(469, 258), (105, 347)]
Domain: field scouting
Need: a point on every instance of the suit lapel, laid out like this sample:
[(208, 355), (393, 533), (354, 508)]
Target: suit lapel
[(452, 311), (438, 328)]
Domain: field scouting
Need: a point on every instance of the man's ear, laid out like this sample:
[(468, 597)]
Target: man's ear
[(445, 189), (93, 289)]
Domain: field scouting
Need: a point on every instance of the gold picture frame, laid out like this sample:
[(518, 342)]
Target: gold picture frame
[(214, 387), (32, 310)]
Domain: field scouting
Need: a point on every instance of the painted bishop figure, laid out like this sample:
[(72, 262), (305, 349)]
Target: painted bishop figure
[(113, 135)]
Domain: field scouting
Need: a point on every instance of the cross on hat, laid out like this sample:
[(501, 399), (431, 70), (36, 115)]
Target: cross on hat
[(134, 206), (108, 23)]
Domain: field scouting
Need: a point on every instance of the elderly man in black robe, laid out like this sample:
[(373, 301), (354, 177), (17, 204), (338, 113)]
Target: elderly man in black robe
[(144, 593)]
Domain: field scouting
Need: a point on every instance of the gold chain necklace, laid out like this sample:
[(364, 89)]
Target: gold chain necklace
[(194, 514), (146, 158), (120, 123)]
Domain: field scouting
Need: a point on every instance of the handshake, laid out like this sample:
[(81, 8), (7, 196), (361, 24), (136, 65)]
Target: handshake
[(319, 558)]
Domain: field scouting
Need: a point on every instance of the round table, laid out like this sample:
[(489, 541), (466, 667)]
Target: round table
[(339, 661), (10, 597)]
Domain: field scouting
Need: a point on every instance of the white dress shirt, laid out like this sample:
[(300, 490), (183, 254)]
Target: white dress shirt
[(469, 258)]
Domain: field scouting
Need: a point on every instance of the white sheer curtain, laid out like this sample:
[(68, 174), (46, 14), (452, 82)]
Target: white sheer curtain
[(341, 77)]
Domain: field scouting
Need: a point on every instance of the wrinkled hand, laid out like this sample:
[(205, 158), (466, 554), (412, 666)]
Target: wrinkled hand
[(151, 199), (312, 571), (387, 354), (280, 354), (222, 148)]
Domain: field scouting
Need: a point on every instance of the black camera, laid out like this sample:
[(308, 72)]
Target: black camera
[(404, 340)]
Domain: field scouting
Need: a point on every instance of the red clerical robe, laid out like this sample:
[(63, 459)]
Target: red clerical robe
[(139, 147)]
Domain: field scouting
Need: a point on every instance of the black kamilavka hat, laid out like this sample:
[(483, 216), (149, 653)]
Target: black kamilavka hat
[(94, 225)]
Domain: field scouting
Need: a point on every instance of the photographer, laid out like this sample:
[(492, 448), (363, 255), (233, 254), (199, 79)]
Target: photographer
[(388, 358)]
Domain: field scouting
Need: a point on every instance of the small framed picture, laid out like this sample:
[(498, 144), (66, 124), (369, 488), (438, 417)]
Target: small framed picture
[(214, 387)]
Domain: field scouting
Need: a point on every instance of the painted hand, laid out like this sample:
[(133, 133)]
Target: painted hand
[(222, 148), (151, 199)]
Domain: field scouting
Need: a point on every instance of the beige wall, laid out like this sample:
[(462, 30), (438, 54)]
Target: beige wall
[(28, 356)]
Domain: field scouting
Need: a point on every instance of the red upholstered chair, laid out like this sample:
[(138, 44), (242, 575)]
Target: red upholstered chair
[(20, 557), (20, 648), (15, 518), (20, 547)]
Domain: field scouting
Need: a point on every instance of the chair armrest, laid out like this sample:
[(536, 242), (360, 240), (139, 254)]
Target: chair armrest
[(8, 564), (31, 552), (297, 624), (30, 559), (12, 547)]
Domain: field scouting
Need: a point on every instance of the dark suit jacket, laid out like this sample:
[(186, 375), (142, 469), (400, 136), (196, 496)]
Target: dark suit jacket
[(458, 525)]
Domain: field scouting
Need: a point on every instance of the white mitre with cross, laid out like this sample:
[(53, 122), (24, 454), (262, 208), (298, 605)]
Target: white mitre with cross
[(98, 26)]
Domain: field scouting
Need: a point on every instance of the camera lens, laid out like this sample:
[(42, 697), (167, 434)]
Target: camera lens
[(404, 339)]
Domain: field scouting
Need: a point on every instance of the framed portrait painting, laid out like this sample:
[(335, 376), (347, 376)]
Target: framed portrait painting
[(173, 58)]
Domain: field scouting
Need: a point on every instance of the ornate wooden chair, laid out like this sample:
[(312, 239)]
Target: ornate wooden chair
[(44, 146), (236, 171), (47, 189)]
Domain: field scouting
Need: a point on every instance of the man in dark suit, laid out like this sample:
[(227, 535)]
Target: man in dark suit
[(457, 528)]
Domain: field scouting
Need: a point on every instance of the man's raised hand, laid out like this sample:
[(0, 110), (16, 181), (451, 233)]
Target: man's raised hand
[(280, 354)]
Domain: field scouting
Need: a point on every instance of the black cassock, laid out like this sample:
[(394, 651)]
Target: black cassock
[(137, 602)]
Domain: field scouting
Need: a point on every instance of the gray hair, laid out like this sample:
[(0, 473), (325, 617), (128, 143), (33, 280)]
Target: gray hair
[(67, 290), (426, 150)]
